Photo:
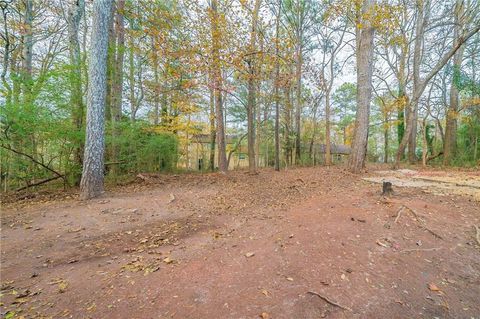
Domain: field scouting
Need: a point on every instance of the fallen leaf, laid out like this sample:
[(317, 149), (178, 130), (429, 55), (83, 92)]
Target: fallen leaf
[(265, 315), (379, 243), (289, 278), (250, 254), (168, 260), (62, 286), (433, 287), (343, 276), (10, 314)]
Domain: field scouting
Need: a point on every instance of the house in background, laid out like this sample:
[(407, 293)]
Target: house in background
[(197, 155)]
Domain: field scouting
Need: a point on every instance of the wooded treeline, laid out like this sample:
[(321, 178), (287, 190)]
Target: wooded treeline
[(114, 88)]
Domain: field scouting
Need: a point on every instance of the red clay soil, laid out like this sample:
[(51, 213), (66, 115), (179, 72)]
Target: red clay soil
[(302, 243)]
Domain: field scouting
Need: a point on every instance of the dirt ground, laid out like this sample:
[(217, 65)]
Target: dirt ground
[(302, 243)]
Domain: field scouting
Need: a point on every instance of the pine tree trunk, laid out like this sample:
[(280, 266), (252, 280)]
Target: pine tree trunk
[(298, 106), (75, 12), (91, 184), (365, 37), (288, 126)]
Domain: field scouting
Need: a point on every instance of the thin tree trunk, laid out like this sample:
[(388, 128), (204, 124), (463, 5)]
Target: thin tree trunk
[(288, 126), (6, 59), (450, 145), (131, 80), (258, 123), (119, 57), (425, 142), (91, 184), (156, 97), (251, 100), (422, 21), (475, 150), (112, 43), (75, 12), (314, 132), (298, 106), (117, 83), (217, 73), (365, 37), (14, 69), (422, 84), (27, 51), (250, 119), (386, 138), (402, 96), (277, 84), (213, 133), (328, 151)]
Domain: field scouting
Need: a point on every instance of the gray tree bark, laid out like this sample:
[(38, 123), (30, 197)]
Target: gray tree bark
[(450, 145), (298, 105), (277, 84), (422, 84), (251, 100), (27, 51), (156, 98), (119, 58), (328, 151), (217, 75), (213, 134), (91, 184), (422, 21), (6, 55), (365, 37), (117, 82)]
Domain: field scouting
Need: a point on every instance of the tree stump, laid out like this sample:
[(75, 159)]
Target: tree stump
[(387, 189)]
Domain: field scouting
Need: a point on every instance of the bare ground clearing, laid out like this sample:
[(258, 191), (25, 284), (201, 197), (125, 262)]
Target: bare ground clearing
[(303, 243)]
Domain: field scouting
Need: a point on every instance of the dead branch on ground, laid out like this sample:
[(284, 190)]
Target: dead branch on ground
[(328, 300)]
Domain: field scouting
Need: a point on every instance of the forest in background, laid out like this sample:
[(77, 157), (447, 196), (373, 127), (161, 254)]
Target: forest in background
[(396, 81)]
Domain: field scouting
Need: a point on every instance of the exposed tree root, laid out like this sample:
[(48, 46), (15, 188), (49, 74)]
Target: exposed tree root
[(419, 218)]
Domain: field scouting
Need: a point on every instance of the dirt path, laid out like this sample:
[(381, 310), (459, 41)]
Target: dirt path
[(210, 246)]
